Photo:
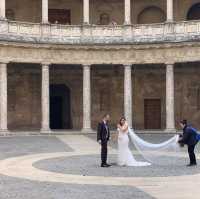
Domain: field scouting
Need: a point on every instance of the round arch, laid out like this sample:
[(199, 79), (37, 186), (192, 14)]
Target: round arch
[(150, 15), (194, 12)]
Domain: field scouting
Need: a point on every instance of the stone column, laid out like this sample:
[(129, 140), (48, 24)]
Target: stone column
[(86, 12), (2, 9), (170, 17), (3, 97), (45, 11), (86, 99), (128, 94), (127, 11), (45, 98), (170, 123)]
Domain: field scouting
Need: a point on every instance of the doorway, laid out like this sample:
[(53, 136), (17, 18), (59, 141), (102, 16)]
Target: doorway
[(152, 114), (60, 16), (60, 108), (194, 12)]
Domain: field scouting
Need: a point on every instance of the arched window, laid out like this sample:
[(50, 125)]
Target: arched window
[(151, 15), (10, 14), (194, 12)]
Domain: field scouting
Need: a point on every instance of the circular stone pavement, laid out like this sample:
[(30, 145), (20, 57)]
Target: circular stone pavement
[(88, 165)]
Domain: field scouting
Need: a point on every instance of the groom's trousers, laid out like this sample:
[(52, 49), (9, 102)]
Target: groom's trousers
[(104, 152), (192, 154)]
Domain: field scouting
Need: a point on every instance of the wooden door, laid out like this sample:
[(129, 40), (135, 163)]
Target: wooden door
[(152, 113), (60, 16)]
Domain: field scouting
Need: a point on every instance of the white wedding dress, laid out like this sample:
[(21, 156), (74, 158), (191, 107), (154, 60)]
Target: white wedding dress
[(125, 156), (164, 153)]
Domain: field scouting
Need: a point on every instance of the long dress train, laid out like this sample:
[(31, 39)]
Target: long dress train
[(125, 156)]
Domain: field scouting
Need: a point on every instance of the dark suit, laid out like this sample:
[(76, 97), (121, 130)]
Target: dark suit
[(189, 138), (103, 134)]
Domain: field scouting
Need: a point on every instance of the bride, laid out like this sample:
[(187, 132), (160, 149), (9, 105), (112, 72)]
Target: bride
[(125, 157)]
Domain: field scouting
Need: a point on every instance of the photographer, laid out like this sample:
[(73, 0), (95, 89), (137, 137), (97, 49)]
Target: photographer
[(190, 138)]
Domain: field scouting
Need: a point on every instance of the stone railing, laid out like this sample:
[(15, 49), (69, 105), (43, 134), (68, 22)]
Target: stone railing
[(93, 34)]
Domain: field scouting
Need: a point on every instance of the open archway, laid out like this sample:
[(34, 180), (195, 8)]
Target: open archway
[(150, 15), (60, 108), (194, 12)]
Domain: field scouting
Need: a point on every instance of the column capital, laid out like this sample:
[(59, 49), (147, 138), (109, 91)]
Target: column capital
[(169, 63), (45, 63), (86, 65), (4, 61), (128, 65)]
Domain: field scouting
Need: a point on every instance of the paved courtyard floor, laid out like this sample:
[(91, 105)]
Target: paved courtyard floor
[(67, 167)]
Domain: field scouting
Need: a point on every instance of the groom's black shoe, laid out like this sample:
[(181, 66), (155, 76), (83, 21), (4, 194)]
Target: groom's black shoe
[(105, 165), (191, 164)]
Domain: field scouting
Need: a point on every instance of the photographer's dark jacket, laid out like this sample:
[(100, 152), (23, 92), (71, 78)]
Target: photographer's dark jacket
[(189, 136)]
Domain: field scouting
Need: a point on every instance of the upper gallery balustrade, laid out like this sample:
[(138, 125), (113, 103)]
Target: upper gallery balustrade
[(97, 34)]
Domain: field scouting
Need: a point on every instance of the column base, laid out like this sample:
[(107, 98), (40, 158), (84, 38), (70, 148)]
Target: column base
[(45, 131), (4, 132), (87, 130), (86, 24), (3, 19), (169, 21), (45, 23), (127, 23), (170, 130)]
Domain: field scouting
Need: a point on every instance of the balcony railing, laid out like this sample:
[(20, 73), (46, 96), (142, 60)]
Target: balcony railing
[(93, 34)]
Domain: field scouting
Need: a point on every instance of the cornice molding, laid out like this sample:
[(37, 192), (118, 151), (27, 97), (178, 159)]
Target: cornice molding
[(100, 47)]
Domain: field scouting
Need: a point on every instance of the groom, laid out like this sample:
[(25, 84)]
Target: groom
[(103, 136)]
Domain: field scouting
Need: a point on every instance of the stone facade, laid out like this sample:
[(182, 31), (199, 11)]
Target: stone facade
[(148, 82), (107, 61), (24, 94), (115, 8), (107, 93), (187, 92)]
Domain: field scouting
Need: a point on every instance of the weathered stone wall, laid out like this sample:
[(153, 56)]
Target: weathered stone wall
[(187, 93), (25, 10), (138, 6), (115, 8), (24, 94), (107, 93), (107, 54), (148, 82), (181, 8), (24, 80)]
